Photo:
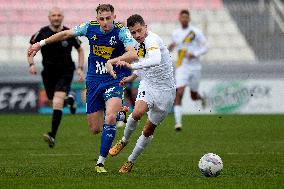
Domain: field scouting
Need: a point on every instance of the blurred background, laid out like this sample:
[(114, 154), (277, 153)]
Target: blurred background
[(243, 72)]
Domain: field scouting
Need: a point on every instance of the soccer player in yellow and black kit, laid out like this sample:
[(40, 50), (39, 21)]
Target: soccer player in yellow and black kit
[(58, 69), (191, 45)]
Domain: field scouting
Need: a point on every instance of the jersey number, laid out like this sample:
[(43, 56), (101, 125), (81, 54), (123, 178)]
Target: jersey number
[(100, 68)]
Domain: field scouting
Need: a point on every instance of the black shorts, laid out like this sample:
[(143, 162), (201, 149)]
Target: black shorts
[(56, 82)]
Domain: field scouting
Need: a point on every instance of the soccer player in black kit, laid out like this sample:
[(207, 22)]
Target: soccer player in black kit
[(58, 69)]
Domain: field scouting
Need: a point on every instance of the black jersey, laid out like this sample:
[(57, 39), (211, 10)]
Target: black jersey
[(56, 56)]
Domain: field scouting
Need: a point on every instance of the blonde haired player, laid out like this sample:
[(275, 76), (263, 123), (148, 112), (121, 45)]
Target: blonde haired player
[(156, 92), (191, 44)]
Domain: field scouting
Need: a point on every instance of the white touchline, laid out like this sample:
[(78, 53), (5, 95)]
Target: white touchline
[(58, 154)]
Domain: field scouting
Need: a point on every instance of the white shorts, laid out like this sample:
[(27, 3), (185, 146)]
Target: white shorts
[(159, 102), (188, 77)]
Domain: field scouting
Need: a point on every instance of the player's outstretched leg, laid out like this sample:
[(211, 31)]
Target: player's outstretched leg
[(141, 144), (129, 129), (140, 108), (143, 141), (113, 106), (107, 138)]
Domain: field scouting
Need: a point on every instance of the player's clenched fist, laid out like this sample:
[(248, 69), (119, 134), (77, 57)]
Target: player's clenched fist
[(32, 70)]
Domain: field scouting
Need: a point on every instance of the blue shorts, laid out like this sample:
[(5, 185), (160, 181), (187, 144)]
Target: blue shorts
[(99, 92)]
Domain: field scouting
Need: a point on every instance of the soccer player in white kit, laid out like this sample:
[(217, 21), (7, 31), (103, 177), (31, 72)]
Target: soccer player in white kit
[(156, 92), (191, 44)]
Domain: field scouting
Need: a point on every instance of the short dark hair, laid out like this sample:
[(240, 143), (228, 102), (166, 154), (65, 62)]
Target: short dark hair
[(105, 7), (135, 19), (184, 11)]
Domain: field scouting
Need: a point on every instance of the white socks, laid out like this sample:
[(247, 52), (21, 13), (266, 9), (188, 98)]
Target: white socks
[(141, 143), (101, 160), (178, 114), (129, 128)]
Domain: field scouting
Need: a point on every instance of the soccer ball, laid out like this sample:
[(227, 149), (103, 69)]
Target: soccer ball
[(210, 165)]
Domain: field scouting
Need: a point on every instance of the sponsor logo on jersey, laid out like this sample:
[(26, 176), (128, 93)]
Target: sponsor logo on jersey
[(103, 51), (109, 92)]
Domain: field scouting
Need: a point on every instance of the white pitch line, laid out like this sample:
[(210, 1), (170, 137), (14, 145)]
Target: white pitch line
[(170, 154), (227, 153), (255, 153), (57, 154)]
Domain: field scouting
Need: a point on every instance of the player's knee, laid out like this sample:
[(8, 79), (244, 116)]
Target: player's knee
[(178, 99), (149, 131), (194, 96), (57, 103), (110, 118), (137, 114), (179, 93), (94, 128)]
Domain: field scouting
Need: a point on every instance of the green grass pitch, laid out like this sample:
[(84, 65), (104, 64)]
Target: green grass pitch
[(251, 146)]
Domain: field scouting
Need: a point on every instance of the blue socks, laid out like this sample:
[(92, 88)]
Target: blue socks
[(107, 138)]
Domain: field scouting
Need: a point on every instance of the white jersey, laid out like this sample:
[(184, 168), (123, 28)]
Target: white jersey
[(155, 67), (189, 40)]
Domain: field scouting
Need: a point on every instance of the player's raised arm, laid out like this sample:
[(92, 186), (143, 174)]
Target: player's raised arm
[(52, 39)]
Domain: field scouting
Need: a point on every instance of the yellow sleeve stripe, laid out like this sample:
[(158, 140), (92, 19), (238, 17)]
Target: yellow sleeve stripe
[(153, 48), (95, 23), (119, 25)]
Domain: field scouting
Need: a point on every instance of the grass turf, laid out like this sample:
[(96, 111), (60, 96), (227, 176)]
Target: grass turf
[(251, 146)]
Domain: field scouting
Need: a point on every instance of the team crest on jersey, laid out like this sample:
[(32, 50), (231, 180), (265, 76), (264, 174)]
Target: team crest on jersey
[(141, 50), (112, 41), (103, 51)]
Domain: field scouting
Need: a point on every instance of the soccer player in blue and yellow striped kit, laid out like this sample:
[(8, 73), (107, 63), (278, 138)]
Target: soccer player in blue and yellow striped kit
[(110, 42)]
